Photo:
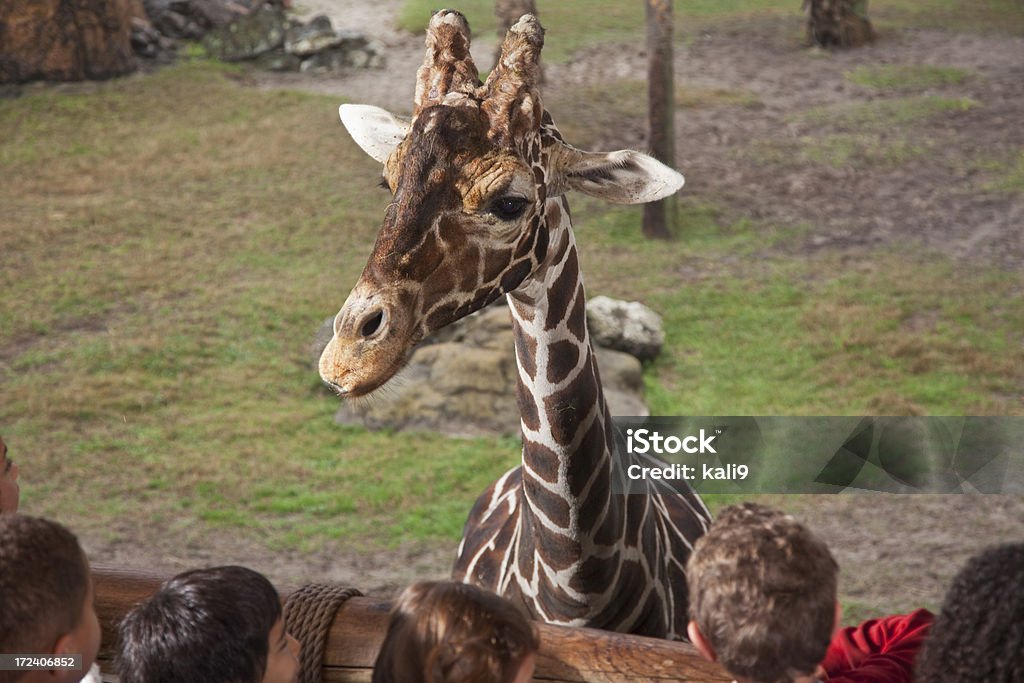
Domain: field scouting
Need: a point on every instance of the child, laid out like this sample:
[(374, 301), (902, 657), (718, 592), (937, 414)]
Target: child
[(9, 490), (448, 632), (763, 604), (978, 636), (46, 599), (217, 625)]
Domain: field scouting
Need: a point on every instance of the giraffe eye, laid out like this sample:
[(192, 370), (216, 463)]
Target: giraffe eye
[(509, 208)]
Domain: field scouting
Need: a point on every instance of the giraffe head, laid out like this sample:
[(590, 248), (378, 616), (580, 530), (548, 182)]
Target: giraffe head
[(471, 176)]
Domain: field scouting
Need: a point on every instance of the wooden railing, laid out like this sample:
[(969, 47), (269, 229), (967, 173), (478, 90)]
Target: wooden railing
[(569, 655)]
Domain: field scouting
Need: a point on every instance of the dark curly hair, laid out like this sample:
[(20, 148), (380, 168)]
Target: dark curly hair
[(979, 635), (209, 625), (44, 582)]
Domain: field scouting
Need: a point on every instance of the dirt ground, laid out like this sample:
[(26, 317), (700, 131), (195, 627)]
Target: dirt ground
[(896, 552)]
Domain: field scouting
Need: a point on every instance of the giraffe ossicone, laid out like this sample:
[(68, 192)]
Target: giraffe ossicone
[(479, 177)]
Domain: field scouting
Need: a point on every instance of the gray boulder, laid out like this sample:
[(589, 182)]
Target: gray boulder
[(248, 36), (627, 326), (307, 39)]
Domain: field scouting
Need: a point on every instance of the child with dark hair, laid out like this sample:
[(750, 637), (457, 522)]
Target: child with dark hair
[(763, 604), (217, 625), (978, 636), (9, 490), (46, 599), (448, 632)]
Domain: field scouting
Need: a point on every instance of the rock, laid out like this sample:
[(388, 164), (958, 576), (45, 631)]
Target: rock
[(278, 60), (248, 36), (340, 57), (625, 326), (66, 40), (624, 404), (307, 39), (620, 370), (210, 14), (145, 39), (461, 381), (175, 25), (323, 62), (375, 52), (490, 328), (450, 388)]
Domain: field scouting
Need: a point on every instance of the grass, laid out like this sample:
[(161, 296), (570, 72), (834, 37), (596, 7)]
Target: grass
[(849, 335), (881, 133), (614, 101), (884, 114), (906, 76), (1006, 176), (574, 25), (984, 16)]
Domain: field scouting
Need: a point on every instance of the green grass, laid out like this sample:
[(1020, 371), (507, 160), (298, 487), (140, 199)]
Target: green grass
[(574, 25), (611, 102), (839, 150), (880, 133), (985, 16), (906, 76), (871, 334), (883, 114), (1005, 176)]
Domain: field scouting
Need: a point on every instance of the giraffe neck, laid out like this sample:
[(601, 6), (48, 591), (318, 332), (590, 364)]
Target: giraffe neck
[(566, 474)]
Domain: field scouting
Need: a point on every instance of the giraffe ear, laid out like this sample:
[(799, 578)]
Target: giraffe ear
[(622, 177), (374, 129)]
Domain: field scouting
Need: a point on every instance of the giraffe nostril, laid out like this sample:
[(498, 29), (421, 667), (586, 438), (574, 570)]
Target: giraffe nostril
[(372, 324)]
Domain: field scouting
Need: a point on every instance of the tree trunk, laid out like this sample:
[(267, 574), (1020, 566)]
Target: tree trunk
[(66, 40), (660, 215), (838, 23), (508, 13)]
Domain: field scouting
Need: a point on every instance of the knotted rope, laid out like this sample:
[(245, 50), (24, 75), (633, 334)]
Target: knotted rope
[(308, 613)]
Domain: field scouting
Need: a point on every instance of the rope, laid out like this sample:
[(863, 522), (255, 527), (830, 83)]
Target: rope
[(308, 613)]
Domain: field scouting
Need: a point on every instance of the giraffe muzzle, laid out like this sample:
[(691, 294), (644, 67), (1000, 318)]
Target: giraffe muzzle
[(370, 344)]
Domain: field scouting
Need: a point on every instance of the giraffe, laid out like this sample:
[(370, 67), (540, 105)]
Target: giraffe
[(479, 178)]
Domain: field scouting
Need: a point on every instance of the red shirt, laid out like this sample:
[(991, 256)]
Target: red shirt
[(879, 650)]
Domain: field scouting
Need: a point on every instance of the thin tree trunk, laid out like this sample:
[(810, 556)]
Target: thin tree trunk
[(838, 23), (508, 13), (660, 216)]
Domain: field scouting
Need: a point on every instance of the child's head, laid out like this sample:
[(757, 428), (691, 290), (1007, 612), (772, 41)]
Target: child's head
[(217, 625), (762, 595), (979, 635), (47, 595), (8, 481), (448, 632)]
